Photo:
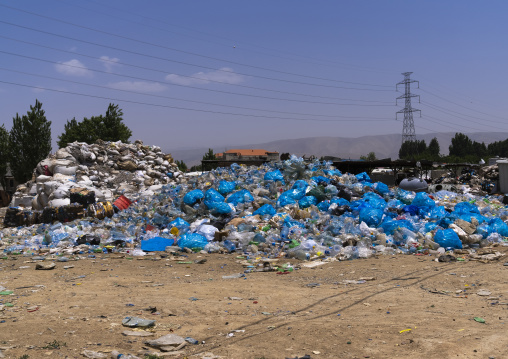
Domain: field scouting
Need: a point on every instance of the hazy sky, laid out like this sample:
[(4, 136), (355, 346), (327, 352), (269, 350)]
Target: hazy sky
[(217, 73)]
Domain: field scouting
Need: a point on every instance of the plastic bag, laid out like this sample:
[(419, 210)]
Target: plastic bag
[(192, 241), (465, 207), (192, 197), (363, 177), (381, 188), (241, 196), (321, 180), (307, 201), (497, 225), (226, 187), (389, 226), (447, 238), (371, 216), (274, 176), (265, 209), (212, 195)]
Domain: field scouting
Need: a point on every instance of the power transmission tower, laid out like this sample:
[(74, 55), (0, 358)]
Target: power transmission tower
[(408, 127)]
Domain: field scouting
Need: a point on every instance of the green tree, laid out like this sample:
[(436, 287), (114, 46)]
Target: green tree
[(107, 128), (4, 155), (181, 166), (433, 149), (29, 142), (461, 146), (411, 150), (371, 156), (209, 155)]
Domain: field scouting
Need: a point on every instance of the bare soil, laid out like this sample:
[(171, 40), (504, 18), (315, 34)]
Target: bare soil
[(407, 307)]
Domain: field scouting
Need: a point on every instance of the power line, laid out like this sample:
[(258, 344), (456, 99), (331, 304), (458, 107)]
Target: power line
[(231, 41), (467, 108), (450, 113), (173, 84), (203, 56), (352, 119), (166, 97), (191, 77)]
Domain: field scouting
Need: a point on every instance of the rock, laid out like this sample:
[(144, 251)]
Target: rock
[(45, 266), (168, 340)]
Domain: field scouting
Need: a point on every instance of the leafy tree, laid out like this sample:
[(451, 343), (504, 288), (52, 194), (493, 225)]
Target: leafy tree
[(463, 149), (196, 168), (498, 148), (181, 166), (107, 128), (29, 142), (4, 155), (209, 155), (461, 146), (370, 157), (433, 149), (410, 150)]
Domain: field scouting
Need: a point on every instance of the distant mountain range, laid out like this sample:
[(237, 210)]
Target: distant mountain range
[(384, 146)]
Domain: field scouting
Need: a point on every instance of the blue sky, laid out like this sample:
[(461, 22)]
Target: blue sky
[(220, 73)]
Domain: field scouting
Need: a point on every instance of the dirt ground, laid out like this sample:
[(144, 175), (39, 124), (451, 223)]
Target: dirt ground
[(386, 307)]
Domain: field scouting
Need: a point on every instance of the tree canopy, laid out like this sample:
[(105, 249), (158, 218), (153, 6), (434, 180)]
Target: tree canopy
[(29, 142), (109, 127), (4, 155)]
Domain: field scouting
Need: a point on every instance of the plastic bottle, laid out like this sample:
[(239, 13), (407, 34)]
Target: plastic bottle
[(230, 246)]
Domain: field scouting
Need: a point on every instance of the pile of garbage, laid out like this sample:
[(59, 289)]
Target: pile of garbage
[(481, 180), (105, 168), (291, 208)]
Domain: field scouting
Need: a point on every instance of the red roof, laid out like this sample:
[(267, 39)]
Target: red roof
[(250, 152)]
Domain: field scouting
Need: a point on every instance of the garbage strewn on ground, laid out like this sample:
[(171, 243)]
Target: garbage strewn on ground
[(131, 198)]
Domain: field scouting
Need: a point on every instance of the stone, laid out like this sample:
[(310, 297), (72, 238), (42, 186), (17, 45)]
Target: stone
[(168, 340), (45, 266)]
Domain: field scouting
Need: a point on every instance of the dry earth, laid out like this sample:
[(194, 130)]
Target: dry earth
[(410, 307)]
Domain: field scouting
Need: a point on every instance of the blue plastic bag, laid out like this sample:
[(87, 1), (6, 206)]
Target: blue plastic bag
[(321, 179), (193, 196), (213, 198), (381, 187), (226, 187), (411, 209), (497, 225), (447, 238), (265, 209), (438, 212), (179, 223), (375, 200), (390, 225), (323, 206), (371, 216), (156, 244), (307, 201), (363, 177), (466, 207), (340, 201), (192, 241), (424, 203), (241, 196), (274, 176), (220, 207)]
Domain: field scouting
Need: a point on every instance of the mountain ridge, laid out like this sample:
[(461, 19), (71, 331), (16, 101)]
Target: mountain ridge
[(384, 146)]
